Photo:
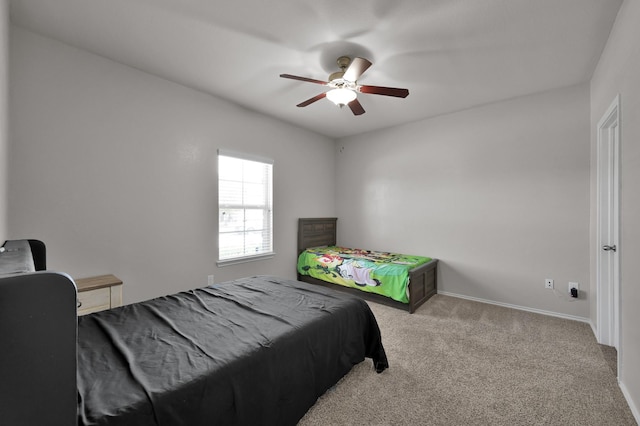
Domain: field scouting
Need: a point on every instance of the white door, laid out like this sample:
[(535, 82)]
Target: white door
[(608, 224)]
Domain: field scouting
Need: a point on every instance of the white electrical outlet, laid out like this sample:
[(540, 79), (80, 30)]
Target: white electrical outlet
[(210, 280), (574, 285), (548, 283)]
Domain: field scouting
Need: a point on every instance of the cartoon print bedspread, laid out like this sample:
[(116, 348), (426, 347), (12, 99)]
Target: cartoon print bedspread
[(373, 271)]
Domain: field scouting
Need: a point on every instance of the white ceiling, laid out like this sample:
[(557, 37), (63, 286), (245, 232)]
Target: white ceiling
[(450, 54)]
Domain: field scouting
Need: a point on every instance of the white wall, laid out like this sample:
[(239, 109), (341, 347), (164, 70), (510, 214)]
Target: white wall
[(4, 131), (618, 72), (499, 193), (115, 170)]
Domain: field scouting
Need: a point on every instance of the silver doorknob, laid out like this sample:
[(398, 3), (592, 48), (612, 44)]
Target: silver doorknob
[(609, 248)]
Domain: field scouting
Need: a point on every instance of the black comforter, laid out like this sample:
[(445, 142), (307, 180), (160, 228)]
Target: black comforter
[(258, 350)]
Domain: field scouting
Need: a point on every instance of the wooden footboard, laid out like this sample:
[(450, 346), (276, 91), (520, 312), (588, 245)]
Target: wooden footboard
[(38, 349), (313, 232), (422, 284)]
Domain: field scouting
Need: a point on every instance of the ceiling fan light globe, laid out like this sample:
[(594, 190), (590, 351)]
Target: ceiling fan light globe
[(341, 96)]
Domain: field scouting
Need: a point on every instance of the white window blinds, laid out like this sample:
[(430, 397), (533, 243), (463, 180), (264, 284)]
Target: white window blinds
[(245, 216)]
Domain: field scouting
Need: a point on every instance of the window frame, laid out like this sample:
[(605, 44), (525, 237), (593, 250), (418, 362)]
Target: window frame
[(268, 206)]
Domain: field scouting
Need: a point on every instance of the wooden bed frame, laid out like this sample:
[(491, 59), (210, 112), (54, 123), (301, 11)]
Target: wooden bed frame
[(315, 232)]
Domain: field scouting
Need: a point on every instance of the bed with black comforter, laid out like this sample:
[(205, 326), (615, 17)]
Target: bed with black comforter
[(253, 351)]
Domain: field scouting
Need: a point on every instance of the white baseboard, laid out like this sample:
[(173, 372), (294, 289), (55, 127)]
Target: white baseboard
[(632, 406), (521, 308), (593, 328)]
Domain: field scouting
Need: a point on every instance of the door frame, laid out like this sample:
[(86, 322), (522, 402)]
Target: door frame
[(608, 292)]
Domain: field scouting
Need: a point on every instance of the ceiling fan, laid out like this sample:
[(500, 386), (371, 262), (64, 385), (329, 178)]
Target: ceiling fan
[(344, 85)]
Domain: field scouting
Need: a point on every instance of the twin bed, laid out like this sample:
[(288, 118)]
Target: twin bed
[(362, 272), (258, 350)]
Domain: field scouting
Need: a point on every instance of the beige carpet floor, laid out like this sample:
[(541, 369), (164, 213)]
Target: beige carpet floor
[(459, 362)]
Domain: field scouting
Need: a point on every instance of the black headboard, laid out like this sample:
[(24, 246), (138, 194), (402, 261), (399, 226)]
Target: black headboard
[(38, 329)]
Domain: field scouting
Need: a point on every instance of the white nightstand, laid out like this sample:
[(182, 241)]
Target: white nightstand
[(98, 293)]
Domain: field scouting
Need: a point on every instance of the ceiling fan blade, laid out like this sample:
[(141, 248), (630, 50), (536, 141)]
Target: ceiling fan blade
[(387, 91), (357, 67), (309, 80), (356, 108), (312, 100)]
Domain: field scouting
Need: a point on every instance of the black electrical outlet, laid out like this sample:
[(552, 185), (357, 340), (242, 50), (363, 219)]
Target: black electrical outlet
[(574, 292)]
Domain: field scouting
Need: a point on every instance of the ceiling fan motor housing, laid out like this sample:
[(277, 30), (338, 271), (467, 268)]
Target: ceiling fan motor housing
[(336, 76), (343, 63)]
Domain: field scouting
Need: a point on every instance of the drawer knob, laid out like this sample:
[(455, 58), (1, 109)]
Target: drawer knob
[(79, 303)]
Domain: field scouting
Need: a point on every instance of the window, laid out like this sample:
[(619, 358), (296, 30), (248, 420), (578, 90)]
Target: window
[(245, 189)]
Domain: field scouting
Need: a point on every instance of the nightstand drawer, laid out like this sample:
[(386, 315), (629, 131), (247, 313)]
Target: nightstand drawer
[(94, 300)]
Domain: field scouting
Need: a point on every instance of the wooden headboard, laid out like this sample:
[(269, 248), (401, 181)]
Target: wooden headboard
[(315, 232)]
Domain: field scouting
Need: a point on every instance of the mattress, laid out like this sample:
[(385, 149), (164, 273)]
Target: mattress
[(258, 350), (383, 273)]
